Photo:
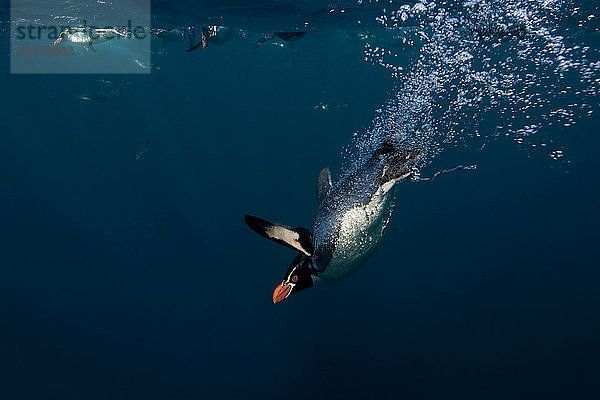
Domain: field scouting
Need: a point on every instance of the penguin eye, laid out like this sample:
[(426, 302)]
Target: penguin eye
[(295, 278)]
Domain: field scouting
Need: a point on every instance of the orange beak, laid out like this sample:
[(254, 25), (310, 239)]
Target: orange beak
[(281, 292)]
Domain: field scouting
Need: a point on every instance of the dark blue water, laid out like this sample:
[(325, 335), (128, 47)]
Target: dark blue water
[(135, 278)]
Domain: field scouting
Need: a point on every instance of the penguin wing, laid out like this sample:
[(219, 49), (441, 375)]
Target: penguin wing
[(299, 239), (194, 46), (192, 38), (323, 184)]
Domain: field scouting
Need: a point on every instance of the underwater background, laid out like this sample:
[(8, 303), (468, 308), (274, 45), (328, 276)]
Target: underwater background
[(127, 270)]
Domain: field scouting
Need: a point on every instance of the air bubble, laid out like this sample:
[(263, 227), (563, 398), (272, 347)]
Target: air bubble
[(501, 61)]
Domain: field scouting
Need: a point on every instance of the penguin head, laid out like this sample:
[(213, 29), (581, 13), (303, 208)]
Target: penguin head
[(299, 274), (210, 30), (297, 277)]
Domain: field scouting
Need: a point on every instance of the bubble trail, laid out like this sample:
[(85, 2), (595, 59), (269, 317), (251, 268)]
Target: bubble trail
[(480, 70)]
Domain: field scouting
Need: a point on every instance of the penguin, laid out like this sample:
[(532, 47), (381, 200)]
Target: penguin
[(89, 36), (108, 89), (168, 35), (285, 36), (349, 223), (214, 34)]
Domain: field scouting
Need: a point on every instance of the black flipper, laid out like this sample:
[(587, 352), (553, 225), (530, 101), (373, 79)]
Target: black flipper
[(194, 47), (323, 184), (299, 239), (192, 39)]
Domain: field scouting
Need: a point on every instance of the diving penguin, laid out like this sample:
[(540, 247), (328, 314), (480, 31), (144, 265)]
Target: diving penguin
[(349, 222), (214, 34)]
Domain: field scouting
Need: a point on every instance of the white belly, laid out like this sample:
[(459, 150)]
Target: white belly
[(79, 37), (360, 231)]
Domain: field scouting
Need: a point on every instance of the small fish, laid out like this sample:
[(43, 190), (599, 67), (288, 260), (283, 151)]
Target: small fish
[(322, 106), (146, 65), (95, 97), (118, 83), (142, 153)]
